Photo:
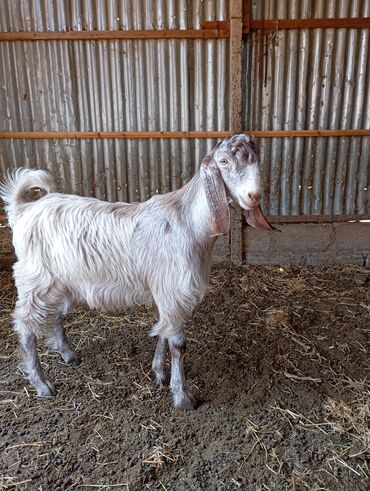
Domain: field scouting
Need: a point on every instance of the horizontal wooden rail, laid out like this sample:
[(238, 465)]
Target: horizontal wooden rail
[(110, 134), (209, 30), (276, 24), (317, 218), (308, 133), (207, 33), (61, 135)]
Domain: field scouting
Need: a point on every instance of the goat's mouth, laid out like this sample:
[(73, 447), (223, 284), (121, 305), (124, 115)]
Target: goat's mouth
[(255, 218)]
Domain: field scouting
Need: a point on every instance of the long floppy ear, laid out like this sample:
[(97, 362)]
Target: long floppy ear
[(216, 195), (255, 218)]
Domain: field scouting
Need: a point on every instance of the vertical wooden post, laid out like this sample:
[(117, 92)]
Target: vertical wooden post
[(235, 110)]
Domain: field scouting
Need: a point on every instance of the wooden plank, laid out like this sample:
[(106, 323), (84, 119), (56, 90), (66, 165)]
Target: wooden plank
[(216, 33), (276, 24), (221, 25), (308, 133), (110, 134), (210, 29), (62, 135), (317, 218), (247, 17), (235, 67), (235, 112)]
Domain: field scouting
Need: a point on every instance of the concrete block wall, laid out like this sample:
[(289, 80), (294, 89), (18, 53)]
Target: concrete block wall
[(309, 244)]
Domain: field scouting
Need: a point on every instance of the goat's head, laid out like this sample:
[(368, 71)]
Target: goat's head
[(231, 173)]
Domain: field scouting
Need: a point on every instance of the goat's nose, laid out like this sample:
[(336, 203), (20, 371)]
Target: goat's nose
[(254, 197)]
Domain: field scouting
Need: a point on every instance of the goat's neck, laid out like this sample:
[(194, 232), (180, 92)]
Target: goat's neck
[(193, 201)]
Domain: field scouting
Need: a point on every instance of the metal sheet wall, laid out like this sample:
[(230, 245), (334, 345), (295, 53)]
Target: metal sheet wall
[(139, 85), (311, 79)]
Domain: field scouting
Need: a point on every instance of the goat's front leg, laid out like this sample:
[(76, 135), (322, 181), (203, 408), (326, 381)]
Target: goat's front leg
[(159, 360), (182, 397)]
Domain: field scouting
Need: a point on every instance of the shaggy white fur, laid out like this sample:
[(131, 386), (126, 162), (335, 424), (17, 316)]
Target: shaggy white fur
[(73, 249)]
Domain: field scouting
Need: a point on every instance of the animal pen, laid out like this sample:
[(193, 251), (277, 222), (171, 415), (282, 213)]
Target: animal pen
[(120, 100)]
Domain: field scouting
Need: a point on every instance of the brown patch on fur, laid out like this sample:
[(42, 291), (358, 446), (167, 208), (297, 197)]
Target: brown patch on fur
[(248, 150)]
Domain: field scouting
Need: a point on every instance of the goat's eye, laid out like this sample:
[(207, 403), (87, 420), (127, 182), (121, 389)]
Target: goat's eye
[(223, 161)]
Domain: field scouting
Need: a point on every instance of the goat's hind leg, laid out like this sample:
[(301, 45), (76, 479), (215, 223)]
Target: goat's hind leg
[(31, 362), (57, 341), (34, 316)]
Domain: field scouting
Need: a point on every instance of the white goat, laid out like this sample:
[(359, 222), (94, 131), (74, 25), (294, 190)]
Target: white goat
[(72, 249)]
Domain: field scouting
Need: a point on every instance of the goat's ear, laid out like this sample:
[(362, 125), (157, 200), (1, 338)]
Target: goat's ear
[(216, 195)]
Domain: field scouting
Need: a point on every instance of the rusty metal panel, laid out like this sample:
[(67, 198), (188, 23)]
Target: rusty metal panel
[(311, 79), (135, 85)]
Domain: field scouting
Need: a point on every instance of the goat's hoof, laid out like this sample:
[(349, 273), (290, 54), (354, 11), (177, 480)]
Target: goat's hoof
[(47, 389), (71, 357), (185, 401)]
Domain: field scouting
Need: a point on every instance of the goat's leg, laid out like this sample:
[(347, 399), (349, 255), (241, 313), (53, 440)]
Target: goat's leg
[(57, 341), (34, 315), (32, 366), (158, 364), (182, 397)]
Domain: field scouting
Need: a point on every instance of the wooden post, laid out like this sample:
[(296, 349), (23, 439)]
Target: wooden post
[(235, 111)]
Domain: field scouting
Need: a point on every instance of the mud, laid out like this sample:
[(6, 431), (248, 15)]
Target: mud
[(277, 356)]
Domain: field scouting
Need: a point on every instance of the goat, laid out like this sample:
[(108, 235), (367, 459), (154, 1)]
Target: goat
[(73, 249)]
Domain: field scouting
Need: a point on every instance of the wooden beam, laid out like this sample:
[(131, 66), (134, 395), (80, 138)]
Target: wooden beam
[(63, 135), (220, 25), (317, 218), (235, 112), (246, 17), (219, 31), (277, 24), (209, 29), (308, 133)]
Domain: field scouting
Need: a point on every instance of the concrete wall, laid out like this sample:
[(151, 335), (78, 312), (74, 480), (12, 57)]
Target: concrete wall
[(309, 244)]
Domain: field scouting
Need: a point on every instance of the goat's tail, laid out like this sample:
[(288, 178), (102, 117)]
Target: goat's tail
[(22, 187)]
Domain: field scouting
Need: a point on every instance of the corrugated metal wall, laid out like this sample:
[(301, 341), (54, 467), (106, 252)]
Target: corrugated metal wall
[(311, 79), (293, 79), (116, 85)]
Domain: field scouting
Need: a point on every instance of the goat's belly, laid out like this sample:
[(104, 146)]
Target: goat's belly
[(110, 297)]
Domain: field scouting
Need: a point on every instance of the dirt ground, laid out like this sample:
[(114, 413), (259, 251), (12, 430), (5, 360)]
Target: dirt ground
[(277, 356)]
